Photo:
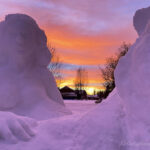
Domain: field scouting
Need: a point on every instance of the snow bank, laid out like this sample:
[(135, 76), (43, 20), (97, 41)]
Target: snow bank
[(132, 81)]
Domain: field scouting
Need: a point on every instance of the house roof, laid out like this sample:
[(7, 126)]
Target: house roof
[(66, 89)]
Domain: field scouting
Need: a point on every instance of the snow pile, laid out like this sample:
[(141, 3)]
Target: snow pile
[(132, 81), (103, 128), (27, 88)]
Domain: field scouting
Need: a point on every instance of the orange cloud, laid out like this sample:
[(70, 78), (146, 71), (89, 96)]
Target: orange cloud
[(82, 49)]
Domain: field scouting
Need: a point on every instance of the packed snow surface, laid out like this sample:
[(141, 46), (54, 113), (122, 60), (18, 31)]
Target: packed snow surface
[(80, 106), (121, 122)]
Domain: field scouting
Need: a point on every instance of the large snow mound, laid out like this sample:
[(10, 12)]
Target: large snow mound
[(132, 76), (27, 87)]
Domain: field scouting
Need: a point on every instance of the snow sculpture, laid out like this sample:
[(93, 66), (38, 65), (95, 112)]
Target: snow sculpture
[(15, 128), (132, 81), (141, 19), (27, 88)]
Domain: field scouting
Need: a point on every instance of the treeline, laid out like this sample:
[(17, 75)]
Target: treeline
[(107, 73)]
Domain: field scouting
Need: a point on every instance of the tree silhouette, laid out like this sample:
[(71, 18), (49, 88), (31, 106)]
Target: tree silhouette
[(107, 73), (81, 82), (55, 65)]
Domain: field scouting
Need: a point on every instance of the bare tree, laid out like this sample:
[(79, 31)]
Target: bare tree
[(107, 73), (55, 65), (81, 79), (81, 82)]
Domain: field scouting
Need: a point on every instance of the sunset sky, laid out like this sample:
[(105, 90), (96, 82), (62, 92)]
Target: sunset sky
[(84, 32)]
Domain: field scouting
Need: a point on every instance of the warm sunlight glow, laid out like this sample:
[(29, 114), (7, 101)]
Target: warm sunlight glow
[(90, 91)]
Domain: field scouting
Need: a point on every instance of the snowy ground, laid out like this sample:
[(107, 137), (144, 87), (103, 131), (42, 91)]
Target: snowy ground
[(80, 106)]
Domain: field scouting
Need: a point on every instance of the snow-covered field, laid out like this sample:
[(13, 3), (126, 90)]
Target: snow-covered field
[(80, 106)]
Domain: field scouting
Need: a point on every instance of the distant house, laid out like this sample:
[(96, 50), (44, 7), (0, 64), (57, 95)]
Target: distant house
[(68, 93)]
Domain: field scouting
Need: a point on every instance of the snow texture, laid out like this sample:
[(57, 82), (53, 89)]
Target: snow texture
[(132, 81), (27, 88), (140, 19), (121, 122)]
